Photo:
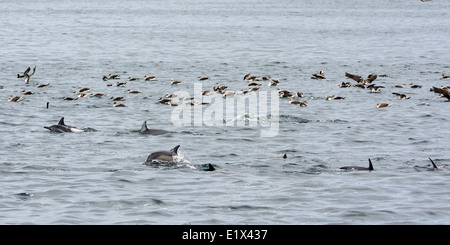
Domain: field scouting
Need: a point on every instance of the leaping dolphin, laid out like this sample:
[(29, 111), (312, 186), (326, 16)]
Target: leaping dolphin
[(145, 130), (370, 168), (61, 127), (162, 156)]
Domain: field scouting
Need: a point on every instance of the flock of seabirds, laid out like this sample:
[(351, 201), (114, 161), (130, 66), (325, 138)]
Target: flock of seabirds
[(254, 84)]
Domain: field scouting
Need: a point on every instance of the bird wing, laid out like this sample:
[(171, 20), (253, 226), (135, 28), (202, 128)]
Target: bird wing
[(371, 78), (34, 70), (354, 77)]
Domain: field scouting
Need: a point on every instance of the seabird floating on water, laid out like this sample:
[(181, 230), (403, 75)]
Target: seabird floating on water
[(173, 82), (149, 78), (119, 105), (381, 105), (401, 96), (319, 75), (42, 85), (14, 98)]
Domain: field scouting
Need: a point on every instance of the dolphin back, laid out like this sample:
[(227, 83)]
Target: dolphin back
[(146, 130), (61, 127)]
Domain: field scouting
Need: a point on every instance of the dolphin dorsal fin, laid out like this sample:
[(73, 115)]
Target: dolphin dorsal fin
[(61, 121), (174, 150), (434, 165), (144, 127), (370, 165), (210, 167)]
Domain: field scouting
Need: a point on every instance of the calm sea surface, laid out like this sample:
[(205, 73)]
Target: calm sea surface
[(97, 176)]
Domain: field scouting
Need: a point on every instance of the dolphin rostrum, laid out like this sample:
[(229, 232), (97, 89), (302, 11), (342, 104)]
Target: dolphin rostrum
[(162, 156), (145, 130), (370, 168), (61, 127)]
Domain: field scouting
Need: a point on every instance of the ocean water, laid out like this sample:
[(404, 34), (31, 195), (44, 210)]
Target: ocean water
[(97, 176)]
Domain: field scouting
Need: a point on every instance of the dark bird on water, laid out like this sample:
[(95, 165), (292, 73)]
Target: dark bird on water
[(401, 96)]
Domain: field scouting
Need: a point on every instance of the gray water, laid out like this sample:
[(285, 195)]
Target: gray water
[(97, 177)]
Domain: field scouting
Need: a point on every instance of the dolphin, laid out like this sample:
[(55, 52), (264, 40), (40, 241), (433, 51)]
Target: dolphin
[(370, 168), (61, 127), (162, 156), (145, 130)]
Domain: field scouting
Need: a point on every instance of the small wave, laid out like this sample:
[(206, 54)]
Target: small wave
[(122, 133), (240, 207), (355, 214), (316, 169), (88, 129), (125, 180), (425, 168), (24, 196), (294, 119), (157, 201), (332, 121), (191, 133), (200, 167), (14, 145)]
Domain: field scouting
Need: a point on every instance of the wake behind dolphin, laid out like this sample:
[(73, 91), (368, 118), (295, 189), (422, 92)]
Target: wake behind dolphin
[(163, 156), (61, 127)]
